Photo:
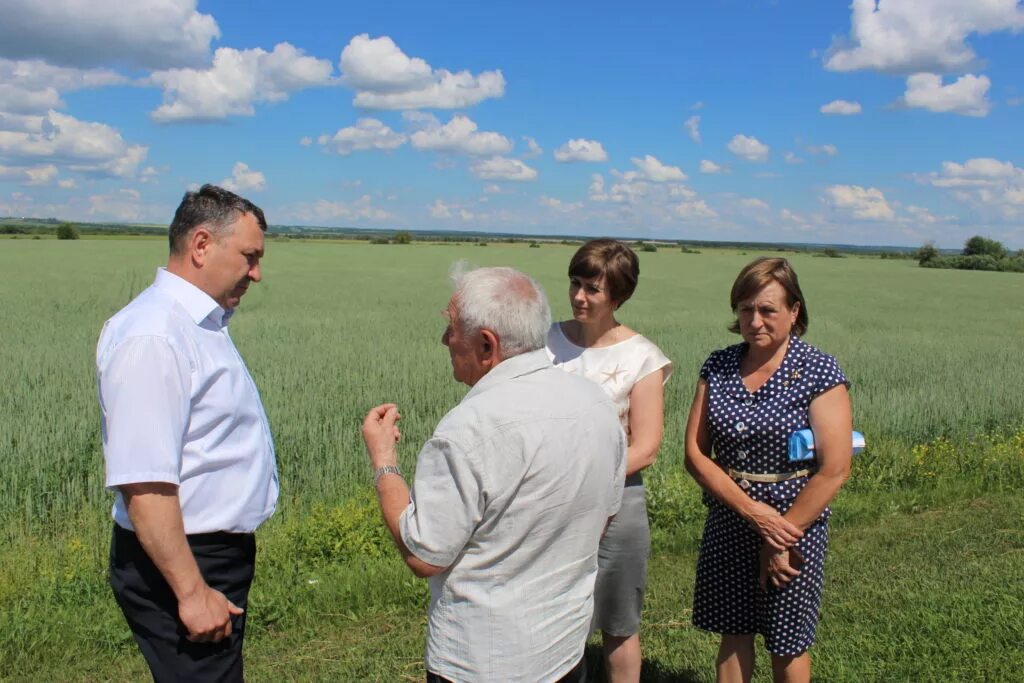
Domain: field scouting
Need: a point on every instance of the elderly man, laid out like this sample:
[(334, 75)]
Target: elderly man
[(187, 445), (511, 495)]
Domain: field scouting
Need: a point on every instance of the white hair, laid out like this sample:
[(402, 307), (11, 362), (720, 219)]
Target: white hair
[(503, 300)]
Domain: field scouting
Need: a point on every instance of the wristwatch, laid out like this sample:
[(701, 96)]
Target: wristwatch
[(386, 469)]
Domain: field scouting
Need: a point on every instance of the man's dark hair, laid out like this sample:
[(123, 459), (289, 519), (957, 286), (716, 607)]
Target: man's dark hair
[(212, 207)]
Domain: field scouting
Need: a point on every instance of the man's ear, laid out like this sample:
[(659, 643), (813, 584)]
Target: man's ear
[(490, 347), (199, 243)]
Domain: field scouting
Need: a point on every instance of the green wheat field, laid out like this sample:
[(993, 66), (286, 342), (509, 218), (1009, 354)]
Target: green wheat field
[(925, 574)]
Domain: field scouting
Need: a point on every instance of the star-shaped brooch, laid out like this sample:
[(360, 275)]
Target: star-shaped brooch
[(613, 375)]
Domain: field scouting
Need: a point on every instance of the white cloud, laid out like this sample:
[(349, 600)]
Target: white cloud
[(154, 34), (532, 148), (305, 141), (29, 175), (458, 136), (560, 206), (67, 184), (904, 36), (792, 217), (41, 175), (697, 106), (502, 168), (579, 149), (827, 150), (964, 96), (656, 171), (367, 134), (83, 146), (692, 126), (750, 148), (841, 107), (237, 80), (984, 183), (124, 205), (243, 179), (755, 204), (149, 174), (981, 171), (921, 215), (792, 158), (710, 167), (440, 210), (695, 209), (326, 212), (384, 77), (34, 87), (863, 203)]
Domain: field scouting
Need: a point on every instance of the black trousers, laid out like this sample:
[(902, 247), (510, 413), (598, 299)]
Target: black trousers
[(226, 561), (578, 674)]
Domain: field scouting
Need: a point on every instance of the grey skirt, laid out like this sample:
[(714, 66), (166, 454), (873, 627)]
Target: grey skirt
[(622, 565)]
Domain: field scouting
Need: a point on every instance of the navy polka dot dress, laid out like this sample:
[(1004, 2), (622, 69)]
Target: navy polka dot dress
[(750, 433)]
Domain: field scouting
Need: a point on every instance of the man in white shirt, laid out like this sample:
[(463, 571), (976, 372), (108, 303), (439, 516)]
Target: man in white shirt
[(511, 495), (187, 446)]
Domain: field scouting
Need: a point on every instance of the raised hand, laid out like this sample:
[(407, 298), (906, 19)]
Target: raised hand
[(380, 433)]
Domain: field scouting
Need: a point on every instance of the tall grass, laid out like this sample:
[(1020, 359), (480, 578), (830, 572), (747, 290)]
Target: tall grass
[(336, 328)]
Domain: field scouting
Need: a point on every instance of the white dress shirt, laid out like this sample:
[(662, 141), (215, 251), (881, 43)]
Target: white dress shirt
[(179, 406), (511, 494)]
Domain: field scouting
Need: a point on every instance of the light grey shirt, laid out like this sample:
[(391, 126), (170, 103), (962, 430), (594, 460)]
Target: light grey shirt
[(179, 406), (511, 494)]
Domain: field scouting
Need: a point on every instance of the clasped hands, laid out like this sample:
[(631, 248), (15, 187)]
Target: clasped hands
[(780, 561)]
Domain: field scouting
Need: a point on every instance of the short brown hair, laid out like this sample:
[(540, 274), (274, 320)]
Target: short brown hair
[(612, 260), (759, 273)]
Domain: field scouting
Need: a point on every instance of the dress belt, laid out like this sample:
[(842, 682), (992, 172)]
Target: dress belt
[(769, 478)]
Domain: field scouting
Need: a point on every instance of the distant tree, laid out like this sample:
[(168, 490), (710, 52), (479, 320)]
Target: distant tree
[(66, 231), (982, 246), (831, 252), (534, 245), (403, 237), (926, 254), (648, 247), (380, 240)]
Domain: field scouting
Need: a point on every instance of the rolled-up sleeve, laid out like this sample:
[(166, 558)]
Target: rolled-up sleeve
[(144, 392), (446, 504)]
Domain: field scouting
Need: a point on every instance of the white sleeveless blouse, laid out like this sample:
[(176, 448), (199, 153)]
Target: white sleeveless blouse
[(616, 368)]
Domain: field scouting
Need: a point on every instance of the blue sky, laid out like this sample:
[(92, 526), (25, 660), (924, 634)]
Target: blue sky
[(897, 122)]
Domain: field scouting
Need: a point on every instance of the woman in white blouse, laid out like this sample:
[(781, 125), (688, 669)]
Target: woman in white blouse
[(632, 371)]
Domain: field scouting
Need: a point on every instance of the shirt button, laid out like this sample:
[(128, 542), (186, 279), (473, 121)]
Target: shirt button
[(749, 400), (741, 427), (742, 455)]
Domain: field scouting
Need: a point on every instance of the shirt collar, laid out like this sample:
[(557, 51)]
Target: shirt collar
[(198, 304), (510, 368)]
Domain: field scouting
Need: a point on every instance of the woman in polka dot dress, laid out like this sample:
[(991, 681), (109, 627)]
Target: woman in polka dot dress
[(760, 568)]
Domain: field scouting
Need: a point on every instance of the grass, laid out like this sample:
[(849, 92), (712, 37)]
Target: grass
[(924, 575)]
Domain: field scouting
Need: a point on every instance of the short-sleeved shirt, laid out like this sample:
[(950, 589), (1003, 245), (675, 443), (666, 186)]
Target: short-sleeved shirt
[(511, 494), (750, 430), (179, 406), (616, 368)]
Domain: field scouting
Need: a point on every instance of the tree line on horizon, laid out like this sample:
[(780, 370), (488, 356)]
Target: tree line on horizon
[(979, 253)]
